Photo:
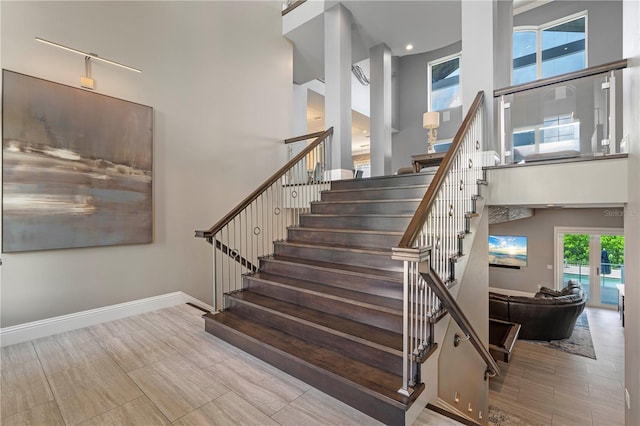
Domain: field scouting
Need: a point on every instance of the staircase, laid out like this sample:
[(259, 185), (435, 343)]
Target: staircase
[(340, 283), (326, 307)]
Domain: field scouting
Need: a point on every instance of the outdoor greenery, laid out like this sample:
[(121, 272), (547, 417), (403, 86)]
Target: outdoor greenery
[(576, 248)]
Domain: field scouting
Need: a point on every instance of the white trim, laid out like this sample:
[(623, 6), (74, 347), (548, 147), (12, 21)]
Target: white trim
[(440, 61), (540, 28), (47, 327), (558, 238), (521, 6)]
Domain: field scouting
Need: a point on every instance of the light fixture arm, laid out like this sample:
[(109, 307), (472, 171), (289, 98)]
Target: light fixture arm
[(87, 55), (87, 66)]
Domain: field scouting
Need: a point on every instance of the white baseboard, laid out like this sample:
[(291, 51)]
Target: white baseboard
[(47, 327)]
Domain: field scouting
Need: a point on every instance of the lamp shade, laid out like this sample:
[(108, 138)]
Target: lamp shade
[(431, 120)]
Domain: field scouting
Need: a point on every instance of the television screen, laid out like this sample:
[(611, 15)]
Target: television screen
[(507, 250)]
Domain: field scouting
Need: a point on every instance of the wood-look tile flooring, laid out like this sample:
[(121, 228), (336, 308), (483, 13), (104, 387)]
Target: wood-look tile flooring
[(548, 387), (158, 368)]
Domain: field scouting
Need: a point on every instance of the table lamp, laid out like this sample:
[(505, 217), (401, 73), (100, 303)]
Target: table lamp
[(431, 120)]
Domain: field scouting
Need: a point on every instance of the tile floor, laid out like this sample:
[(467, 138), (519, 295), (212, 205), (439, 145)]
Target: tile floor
[(158, 368), (161, 368), (548, 387)]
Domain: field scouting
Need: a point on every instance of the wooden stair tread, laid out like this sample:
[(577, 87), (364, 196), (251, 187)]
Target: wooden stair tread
[(323, 290), (337, 215), (393, 200), (355, 329), (349, 231), (367, 250), (378, 383), (379, 188), (346, 269), (349, 269)]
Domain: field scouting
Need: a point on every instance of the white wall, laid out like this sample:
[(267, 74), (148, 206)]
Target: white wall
[(219, 76), (631, 76), (598, 182)]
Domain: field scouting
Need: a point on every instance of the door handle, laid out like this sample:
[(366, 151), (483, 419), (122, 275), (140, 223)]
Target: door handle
[(597, 270)]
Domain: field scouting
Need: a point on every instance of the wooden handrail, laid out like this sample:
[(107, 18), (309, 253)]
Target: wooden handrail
[(293, 6), (429, 198), (587, 72), (255, 194), (440, 289), (302, 138)]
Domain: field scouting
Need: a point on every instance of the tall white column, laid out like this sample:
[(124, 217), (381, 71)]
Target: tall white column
[(380, 99), (488, 44), (337, 75)]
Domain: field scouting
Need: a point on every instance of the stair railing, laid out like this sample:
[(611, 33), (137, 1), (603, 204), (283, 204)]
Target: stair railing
[(433, 240), (248, 231), (440, 289)]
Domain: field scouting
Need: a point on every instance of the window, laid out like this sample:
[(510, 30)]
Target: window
[(552, 49), (444, 84)]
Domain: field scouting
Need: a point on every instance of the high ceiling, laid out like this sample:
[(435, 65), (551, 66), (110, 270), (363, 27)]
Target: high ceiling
[(427, 25)]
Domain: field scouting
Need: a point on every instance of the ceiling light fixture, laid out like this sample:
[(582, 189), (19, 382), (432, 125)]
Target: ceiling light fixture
[(87, 55), (409, 46)]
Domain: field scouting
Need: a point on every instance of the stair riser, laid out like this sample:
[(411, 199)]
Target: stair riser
[(378, 287), (383, 182), (376, 318), (372, 207), (343, 239), (362, 352), (343, 257), (369, 223), (375, 194), (326, 382)]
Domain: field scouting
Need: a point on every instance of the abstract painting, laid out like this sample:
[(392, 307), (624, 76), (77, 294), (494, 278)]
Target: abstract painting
[(76, 167)]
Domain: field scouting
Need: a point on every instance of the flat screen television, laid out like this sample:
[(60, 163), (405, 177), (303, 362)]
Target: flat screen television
[(507, 250)]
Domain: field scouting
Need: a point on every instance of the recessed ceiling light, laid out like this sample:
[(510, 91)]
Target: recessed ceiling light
[(409, 46), (364, 131)]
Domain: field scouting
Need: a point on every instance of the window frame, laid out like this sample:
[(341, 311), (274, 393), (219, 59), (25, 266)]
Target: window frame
[(439, 61), (539, 30)]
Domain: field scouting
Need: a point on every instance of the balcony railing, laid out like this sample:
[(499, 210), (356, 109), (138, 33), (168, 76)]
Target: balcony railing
[(574, 115)]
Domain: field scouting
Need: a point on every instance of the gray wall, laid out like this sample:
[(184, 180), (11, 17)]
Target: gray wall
[(219, 77), (412, 93), (604, 25), (540, 244)]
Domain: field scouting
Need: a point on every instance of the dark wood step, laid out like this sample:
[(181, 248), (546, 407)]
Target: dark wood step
[(406, 206), (374, 346), (370, 258), (377, 222), (345, 237), (381, 312), (384, 181), (383, 193), (372, 281), (368, 389)]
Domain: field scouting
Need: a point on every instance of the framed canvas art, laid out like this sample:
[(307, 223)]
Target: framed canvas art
[(76, 167)]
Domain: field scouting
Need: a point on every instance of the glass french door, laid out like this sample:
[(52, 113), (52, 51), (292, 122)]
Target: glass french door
[(595, 259)]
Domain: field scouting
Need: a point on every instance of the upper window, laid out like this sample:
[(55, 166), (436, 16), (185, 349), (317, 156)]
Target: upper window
[(549, 50), (444, 83)]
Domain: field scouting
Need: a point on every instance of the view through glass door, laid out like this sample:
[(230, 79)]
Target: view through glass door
[(596, 261)]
